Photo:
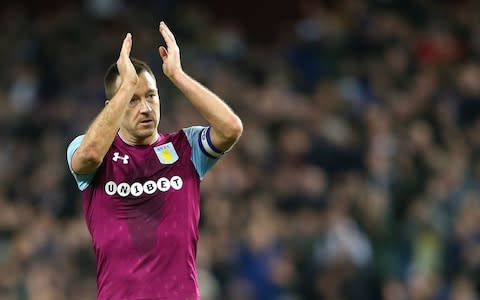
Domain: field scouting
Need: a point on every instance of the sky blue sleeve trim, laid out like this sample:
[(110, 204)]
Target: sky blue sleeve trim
[(209, 141), (206, 144), (83, 181), (202, 146), (200, 159)]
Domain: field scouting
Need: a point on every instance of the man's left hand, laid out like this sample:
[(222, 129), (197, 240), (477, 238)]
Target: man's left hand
[(171, 54)]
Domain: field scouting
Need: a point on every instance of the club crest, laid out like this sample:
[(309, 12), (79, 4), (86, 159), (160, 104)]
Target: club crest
[(166, 153)]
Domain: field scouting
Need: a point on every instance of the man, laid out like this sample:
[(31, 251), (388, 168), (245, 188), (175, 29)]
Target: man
[(140, 189)]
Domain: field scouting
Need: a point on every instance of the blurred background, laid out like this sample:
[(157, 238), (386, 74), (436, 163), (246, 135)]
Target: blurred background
[(358, 174)]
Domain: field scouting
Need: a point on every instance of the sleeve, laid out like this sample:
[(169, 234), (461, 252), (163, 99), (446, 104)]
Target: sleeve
[(204, 153), (82, 180)]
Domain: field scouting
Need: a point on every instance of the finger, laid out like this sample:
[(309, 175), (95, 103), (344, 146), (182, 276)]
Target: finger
[(167, 35), (164, 33), (170, 34), (127, 45), (163, 52), (167, 30)]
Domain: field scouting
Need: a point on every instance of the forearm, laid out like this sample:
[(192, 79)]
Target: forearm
[(225, 124), (102, 131)]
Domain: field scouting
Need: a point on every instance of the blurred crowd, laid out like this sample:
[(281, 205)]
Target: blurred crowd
[(358, 174)]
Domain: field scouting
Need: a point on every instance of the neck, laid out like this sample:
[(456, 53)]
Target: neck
[(138, 141)]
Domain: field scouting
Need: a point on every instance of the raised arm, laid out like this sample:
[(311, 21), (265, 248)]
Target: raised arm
[(226, 126), (99, 136)]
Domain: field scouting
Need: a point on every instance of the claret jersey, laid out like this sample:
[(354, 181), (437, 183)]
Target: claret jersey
[(142, 210)]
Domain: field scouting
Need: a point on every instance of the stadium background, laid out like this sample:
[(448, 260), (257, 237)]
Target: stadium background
[(357, 176)]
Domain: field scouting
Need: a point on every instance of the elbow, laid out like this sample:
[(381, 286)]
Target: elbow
[(89, 157), (235, 130)]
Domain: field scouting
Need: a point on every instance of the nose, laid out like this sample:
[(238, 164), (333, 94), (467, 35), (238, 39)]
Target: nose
[(145, 107)]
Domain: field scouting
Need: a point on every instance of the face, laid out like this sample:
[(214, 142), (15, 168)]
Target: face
[(139, 125)]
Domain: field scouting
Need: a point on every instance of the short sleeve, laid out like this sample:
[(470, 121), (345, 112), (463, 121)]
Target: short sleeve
[(204, 153), (82, 180)]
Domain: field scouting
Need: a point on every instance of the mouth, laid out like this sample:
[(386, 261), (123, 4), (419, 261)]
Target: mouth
[(146, 122)]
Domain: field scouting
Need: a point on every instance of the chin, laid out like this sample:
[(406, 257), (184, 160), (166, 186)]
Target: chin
[(146, 132)]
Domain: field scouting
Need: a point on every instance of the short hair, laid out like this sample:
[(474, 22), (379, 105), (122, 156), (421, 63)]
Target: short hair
[(112, 74)]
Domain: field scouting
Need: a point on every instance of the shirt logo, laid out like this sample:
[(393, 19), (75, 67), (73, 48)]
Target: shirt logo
[(149, 187), (166, 153), (116, 157)]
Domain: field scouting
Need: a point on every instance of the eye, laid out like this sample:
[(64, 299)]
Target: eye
[(134, 101)]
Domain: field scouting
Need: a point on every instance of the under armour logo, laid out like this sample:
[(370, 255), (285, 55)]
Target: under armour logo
[(117, 156)]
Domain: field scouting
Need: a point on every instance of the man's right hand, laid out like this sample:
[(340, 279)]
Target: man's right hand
[(124, 64), (101, 133)]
